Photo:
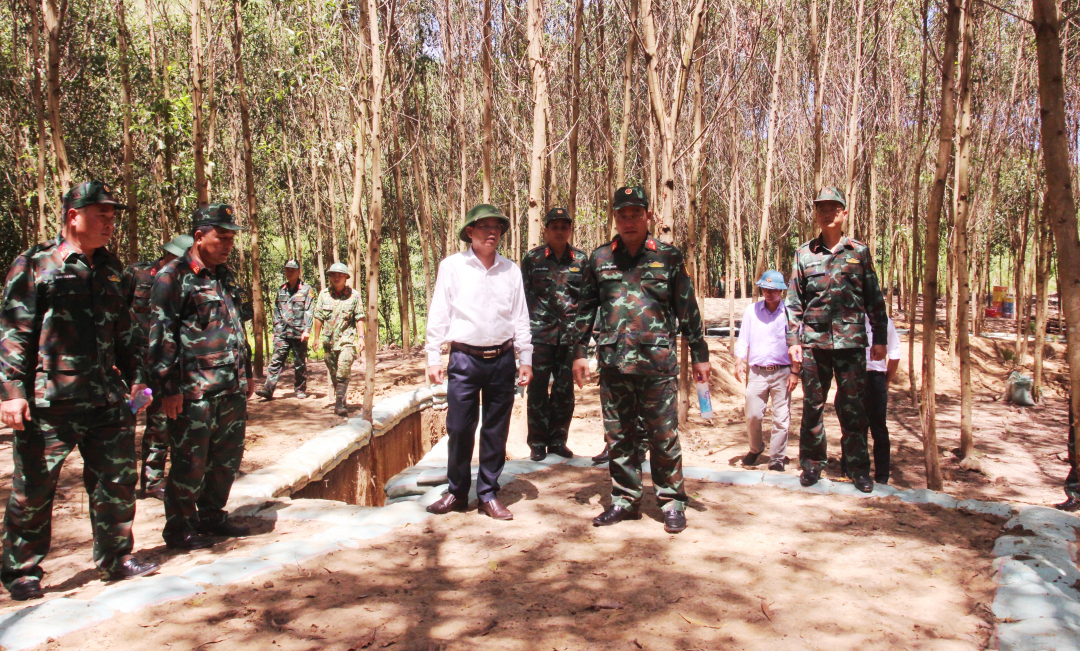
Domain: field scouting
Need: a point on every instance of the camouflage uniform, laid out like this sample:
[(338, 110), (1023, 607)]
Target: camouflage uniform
[(198, 348), (1072, 481), (341, 316), (292, 318), (552, 288), (829, 297), (644, 301), (155, 442), (67, 348)]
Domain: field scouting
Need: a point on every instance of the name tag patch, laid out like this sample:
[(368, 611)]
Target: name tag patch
[(852, 261)]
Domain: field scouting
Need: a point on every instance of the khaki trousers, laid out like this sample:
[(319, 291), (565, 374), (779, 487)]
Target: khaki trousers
[(760, 387)]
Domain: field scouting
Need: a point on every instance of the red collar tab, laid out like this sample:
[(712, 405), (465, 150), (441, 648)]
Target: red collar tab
[(614, 243), (195, 266), (64, 250), (650, 244), (153, 271), (547, 251)]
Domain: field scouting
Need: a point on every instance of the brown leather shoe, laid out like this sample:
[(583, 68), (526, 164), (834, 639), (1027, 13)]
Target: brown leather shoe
[(495, 510), (446, 504)]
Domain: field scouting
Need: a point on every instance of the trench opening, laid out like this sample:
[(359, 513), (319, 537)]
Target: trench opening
[(359, 479)]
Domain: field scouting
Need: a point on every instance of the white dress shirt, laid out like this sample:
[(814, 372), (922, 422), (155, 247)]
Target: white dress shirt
[(763, 336), (476, 306), (893, 348)]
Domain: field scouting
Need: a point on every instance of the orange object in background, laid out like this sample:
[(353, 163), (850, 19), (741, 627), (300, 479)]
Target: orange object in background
[(998, 296)]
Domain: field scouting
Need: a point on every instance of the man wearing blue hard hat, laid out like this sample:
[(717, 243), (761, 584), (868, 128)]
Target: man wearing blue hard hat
[(763, 362)]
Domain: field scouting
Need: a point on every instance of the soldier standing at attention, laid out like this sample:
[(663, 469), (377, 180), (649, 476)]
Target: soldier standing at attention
[(645, 298), (479, 308), (292, 327), (833, 290), (199, 361), (155, 442), (66, 361), (340, 309), (552, 277)]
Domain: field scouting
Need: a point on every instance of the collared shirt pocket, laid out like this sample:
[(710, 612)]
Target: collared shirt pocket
[(607, 344), (655, 283), (67, 377), (216, 371), (141, 303), (207, 306)]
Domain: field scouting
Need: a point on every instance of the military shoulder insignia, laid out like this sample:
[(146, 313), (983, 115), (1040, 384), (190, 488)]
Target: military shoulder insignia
[(656, 265), (574, 269), (114, 278), (852, 261), (311, 292)]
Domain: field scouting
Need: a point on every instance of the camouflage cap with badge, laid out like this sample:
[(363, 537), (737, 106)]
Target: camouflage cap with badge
[(832, 194), (630, 196), (479, 212), (292, 264), (88, 193), (216, 214), (557, 213)]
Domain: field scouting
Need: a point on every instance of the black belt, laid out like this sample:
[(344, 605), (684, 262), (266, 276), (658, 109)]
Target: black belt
[(869, 371), (772, 367), (487, 352)]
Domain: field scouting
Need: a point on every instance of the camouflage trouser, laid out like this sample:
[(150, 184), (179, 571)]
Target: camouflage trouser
[(282, 347), (550, 414), (207, 442), (1072, 482), (105, 437), (155, 446), (339, 363), (638, 407), (848, 365)]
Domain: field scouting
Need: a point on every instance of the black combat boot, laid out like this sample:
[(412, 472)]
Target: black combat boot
[(341, 389)]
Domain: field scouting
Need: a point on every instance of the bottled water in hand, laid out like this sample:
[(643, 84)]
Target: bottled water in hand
[(704, 400), (141, 400)]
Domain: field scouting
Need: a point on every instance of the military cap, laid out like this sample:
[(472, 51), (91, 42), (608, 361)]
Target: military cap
[(772, 279), (630, 196), (216, 214), (482, 211), (557, 213), (178, 245), (832, 194), (338, 268), (292, 264), (90, 192)]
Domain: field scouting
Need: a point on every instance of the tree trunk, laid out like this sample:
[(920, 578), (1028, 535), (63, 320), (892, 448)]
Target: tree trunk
[(249, 188), (1042, 275), (539, 141), (202, 192), (130, 195), (627, 107), (374, 240), (54, 25), (770, 153), (960, 236), (419, 164), (913, 294), (575, 108), (485, 50), (820, 71), (852, 144), (946, 125), (159, 158), (39, 115), (605, 217)]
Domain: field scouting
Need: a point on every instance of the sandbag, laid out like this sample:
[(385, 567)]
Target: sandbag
[(1018, 390)]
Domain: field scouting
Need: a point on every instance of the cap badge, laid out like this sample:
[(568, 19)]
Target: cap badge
[(105, 187), (629, 191), (228, 211)]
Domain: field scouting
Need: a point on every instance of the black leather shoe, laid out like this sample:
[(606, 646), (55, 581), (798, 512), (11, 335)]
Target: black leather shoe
[(778, 466), (881, 480), (188, 542), (864, 483), (129, 569), (538, 454), (614, 515), (27, 588), (224, 529), (446, 504), (300, 395), (561, 450), (601, 458), (751, 458), (810, 476), (1070, 505), (264, 394), (674, 521)]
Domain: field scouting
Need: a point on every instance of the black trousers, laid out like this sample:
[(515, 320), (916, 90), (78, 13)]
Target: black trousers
[(876, 405), (472, 381)]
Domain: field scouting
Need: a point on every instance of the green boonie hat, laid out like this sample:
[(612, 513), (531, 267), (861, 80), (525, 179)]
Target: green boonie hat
[(338, 268), (178, 245), (557, 213), (90, 192), (216, 214), (292, 264), (832, 194), (630, 196), (479, 212)]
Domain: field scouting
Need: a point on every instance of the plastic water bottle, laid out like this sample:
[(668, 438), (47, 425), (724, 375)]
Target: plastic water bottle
[(704, 400), (141, 400)]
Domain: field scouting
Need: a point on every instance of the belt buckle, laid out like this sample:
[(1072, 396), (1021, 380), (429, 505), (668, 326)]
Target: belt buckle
[(490, 354)]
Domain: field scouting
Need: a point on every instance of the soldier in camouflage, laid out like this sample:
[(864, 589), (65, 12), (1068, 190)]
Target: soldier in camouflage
[(155, 442), (833, 290), (645, 298), (67, 360), (1072, 480), (200, 363), (552, 276), (292, 326), (340, 310)]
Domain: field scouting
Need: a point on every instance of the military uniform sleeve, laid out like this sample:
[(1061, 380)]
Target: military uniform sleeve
[(526, 273), (874, 302), (361, 317), (17, 317), (130, 340), (794, 303), (309, 310), (163, 355), (277, 310), (689, 314), (588, 303), (321, 312)]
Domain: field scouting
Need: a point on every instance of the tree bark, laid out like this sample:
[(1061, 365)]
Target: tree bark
[(627, 107), (374, 240), (770, 153), (850, 148), (946, 125), (485, 51), (539, 140), (259, 322), (960, 236), (130, 194), (201, 190), (54, 25), (575, 108), (39, 115), (1042, 275), (913, 293)]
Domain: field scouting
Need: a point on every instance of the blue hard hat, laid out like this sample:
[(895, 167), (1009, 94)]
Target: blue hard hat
[(772, 280)]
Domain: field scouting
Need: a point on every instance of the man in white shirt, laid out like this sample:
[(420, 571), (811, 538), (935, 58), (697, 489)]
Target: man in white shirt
[(761, 356), (478, 308), (879, 374)]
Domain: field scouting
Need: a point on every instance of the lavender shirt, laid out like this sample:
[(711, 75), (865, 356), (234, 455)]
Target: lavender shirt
[(763, 335)]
